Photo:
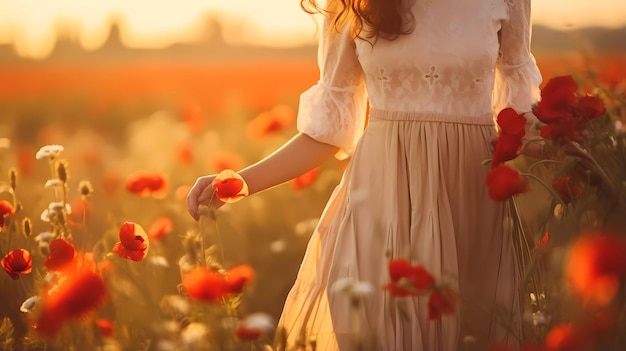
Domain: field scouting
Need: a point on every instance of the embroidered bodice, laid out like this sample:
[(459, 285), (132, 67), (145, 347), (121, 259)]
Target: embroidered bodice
[(463, 58)]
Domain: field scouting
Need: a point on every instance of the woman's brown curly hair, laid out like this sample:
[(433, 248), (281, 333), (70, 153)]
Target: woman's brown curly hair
[(369, 19)]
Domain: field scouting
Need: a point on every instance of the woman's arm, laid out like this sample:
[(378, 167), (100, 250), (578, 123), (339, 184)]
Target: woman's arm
[(299, 155)]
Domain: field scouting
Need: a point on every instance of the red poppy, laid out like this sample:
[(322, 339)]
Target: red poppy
[(105, 326), (306, 179), (24, 159), (223, 160), (17, 262), (73, 297), (6, 210), (512, 123), (567, 188), (596, 266), (504, 182), (270, 123), (544, 239), (148, 184), (230, 186), (507, 148), (565, 128), (81, 211), (248, 334), (238, 277), (111, 182), (208, 285), (592, 107), (205, 284), (442, 301), (564, 337), (184, 155), (408, 280), (566, 113), (193, 117), (160, 228), (133, 244), (557, 99), (62, 255)]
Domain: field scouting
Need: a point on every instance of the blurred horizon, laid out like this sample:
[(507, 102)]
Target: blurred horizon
[(33, 27)]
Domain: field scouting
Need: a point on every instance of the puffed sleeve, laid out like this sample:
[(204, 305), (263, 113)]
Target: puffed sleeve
[(517, 77), (333, 110)]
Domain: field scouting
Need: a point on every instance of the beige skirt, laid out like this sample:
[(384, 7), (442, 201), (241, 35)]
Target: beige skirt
[(415, 189)]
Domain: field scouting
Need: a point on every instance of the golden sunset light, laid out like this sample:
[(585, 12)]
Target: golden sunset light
[(32, 25)]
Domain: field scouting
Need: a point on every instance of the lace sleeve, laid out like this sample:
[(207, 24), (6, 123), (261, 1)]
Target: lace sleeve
[(333, 110), (517, 77)]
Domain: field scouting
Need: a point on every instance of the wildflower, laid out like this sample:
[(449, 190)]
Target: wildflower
[(62, 255), (81, 210), (105, 326), (49, 151), (567, 188), (62, 171), (27, 227), (507, 148), (160, 228), (442, 301), (17, 262), (133, 242), (229, 186), (306, 179), (85, 188), (193, 118), (176, 303), (564, 337), (504, 182), (204, 284), (159, 261), (565, 113), (408, 280), (184, 155), (352, 287), (54, 210), (278, 246), (596, 266), (44, 237), (512, 130), (193, 336), (208, 285), (270, 123), (544, 239), (29, 304), (511, 122), (238, 277), (148, 184), (6, 210), (223, 160), (253, 326), (74, 296)]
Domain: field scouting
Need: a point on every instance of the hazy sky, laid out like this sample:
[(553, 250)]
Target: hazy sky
[(32, 24)]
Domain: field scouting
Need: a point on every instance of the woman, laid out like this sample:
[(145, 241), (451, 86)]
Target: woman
[(434, 72)]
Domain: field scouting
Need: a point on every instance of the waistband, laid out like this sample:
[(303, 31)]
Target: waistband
[(387, 115)]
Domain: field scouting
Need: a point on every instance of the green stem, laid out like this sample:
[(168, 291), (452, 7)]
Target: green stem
[(549, 189), (605, 177), (531, 167)]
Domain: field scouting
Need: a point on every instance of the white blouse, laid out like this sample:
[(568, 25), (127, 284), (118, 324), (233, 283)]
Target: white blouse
[(463, 58)]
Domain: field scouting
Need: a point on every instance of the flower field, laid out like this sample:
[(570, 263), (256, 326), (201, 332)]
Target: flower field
[(100, 253)]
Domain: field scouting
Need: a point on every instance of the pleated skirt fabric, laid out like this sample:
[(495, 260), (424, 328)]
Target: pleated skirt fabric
[(415, 189)]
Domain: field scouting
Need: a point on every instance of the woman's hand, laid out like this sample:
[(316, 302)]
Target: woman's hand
[(202, 193)]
